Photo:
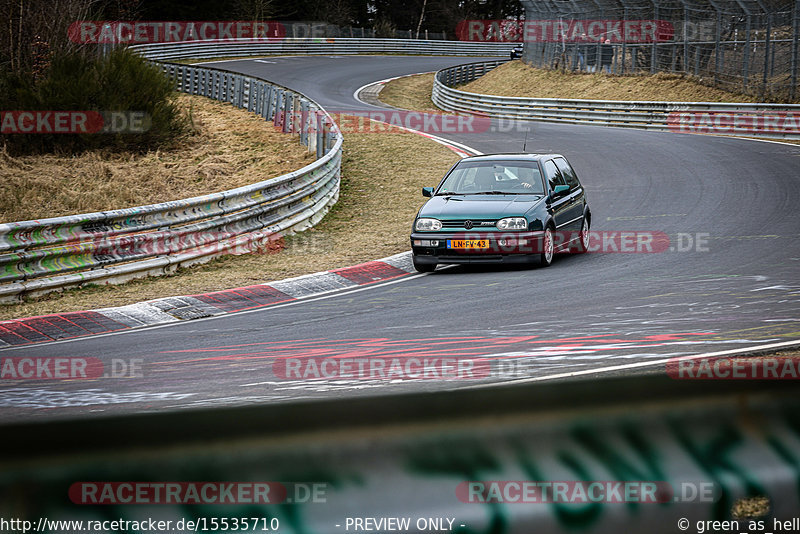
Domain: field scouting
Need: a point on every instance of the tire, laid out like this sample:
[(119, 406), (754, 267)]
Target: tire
[(424, 267), (584, 235), (548, 252)]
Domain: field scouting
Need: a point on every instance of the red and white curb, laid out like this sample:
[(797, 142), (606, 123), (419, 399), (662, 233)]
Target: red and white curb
[(166, 310)]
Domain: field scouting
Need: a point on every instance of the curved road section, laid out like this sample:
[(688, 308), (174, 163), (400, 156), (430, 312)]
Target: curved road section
[(727, 278)]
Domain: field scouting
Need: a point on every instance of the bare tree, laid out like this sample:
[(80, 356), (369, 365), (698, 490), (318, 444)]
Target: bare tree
[(335, 12), (421, 16), (38, 28), (255, 10)]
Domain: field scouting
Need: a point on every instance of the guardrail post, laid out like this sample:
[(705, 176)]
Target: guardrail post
[(319, 137), (287, 114), (186, 79), (268, 96), (304, 123), (278, 118), (201, 81), (311, 128)]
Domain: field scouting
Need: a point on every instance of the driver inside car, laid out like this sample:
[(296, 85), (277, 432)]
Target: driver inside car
[(500, 175)]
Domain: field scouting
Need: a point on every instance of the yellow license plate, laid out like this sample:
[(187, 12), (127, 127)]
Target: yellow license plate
[(468, 244)]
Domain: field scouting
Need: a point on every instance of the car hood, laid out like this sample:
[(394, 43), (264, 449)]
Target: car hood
[(478, 206)]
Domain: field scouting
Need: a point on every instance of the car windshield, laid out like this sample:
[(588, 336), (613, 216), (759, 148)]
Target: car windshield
[(494, 177)]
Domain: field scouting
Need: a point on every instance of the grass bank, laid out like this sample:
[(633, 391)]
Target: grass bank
[(382, 174)]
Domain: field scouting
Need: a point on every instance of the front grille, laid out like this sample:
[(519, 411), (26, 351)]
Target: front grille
[(477, 224)]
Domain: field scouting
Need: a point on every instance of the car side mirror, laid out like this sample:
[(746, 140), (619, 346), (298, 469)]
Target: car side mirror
[(557, 192), (427, 191), (560, 189)]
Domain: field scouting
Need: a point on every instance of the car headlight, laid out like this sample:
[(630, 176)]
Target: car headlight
[(427, 225), (512, 223)]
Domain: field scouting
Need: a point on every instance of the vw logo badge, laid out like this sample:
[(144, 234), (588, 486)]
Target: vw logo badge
[(468, 225)]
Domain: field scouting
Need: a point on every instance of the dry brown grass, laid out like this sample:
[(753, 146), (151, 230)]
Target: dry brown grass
[(381, 179), (414, 92), (517, 79), (410, 92), (230, 148)]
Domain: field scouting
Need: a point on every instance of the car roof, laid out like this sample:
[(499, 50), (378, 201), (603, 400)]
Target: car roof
[(522, 156)]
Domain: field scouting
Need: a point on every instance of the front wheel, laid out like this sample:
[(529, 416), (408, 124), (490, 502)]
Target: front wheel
[(546, 257), (584, 235), (424, 267)]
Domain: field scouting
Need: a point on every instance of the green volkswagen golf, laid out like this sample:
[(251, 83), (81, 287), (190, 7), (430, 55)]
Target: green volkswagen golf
[(502, 208)]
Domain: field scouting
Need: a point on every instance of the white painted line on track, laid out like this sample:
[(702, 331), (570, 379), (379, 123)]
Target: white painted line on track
[(639, 365), (452, 145)]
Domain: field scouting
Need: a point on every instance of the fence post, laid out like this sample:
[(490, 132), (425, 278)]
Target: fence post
[(746, 60), (624, 45), (766, 55), (718, 50), (654, 52), (685, 38), (795, 39)]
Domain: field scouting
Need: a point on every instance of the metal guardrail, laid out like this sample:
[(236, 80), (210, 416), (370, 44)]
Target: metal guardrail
[(339, 46), (738, 119), (51, 254), (407, 456)]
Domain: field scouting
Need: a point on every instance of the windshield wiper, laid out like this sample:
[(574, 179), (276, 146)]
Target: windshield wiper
[(448, 194), (493, 193)]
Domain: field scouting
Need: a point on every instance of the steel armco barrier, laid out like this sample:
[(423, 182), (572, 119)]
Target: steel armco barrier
[(51, 254), (722, 118), (339, 46)]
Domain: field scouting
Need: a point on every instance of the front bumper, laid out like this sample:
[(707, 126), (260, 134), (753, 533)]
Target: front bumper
[(503, 247)]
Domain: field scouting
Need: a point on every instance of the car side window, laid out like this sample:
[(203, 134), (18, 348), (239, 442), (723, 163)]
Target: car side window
[(552, 174), (568, 173)]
